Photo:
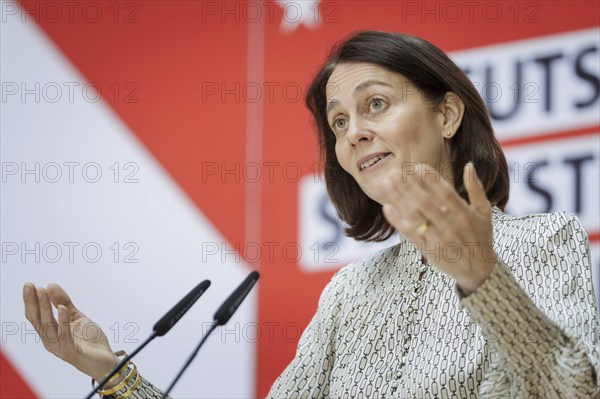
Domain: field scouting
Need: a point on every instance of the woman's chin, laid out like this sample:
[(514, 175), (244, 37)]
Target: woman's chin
[(375, 192)]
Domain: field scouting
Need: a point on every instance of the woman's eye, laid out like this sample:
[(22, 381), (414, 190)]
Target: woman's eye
[(339, 124), (376, 105)]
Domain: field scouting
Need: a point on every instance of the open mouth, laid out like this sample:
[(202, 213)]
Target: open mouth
[(372, 161)]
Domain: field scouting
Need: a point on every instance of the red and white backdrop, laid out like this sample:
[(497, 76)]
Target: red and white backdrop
[(148, 145)]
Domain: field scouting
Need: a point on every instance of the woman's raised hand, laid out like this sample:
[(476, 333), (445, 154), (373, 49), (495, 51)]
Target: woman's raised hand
[(74, 338), (454, 235)]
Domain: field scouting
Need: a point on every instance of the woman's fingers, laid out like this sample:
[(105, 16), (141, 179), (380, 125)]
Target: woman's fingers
[(427, 210), (71, 338), (32, 307), (475, 190), (66, 340), (399, 210), (66, 310), (56, 336), (395, 217), (441, 191), (58, 296), (422, 200), (48, 328)]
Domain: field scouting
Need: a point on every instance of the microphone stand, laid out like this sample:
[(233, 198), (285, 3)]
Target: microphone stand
[(160, 328), (213, 326), (222, 316)]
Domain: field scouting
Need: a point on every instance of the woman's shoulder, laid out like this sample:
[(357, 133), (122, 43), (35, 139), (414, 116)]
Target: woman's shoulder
[(542, 224), (364, 266), (538, 243)]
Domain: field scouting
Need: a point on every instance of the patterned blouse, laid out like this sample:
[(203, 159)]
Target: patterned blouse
[(390, 326)]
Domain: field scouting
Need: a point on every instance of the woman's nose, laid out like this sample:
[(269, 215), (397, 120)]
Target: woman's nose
[(359, 132)]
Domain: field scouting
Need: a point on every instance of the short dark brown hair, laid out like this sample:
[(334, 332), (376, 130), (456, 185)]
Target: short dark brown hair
[(434, 74)]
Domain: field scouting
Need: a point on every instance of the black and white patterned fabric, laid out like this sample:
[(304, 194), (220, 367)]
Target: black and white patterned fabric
[(391, 327), (144, 390), (532, 330)]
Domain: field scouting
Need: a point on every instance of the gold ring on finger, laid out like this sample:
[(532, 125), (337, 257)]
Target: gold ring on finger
[(422, 228)]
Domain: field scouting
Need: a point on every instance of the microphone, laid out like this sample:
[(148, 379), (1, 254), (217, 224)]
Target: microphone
[(168, 320), (161, 327), (222, 316), (228, 308)]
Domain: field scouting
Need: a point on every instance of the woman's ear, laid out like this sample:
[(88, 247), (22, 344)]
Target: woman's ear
[(452, 108)]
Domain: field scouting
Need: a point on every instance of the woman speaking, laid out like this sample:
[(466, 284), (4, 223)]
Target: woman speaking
[(471, 302)]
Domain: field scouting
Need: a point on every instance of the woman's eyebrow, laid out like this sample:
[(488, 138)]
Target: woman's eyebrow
[(360, 88), (331, 104), (367, 83)]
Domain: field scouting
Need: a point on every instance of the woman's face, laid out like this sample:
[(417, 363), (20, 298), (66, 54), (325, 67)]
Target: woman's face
[(383, 125)]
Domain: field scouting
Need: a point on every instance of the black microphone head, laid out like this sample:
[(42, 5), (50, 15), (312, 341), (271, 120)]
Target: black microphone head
[(168, 320), (228, 308)]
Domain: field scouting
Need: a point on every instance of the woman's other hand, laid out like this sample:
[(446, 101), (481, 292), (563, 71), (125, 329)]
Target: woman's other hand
[(74, 338)]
